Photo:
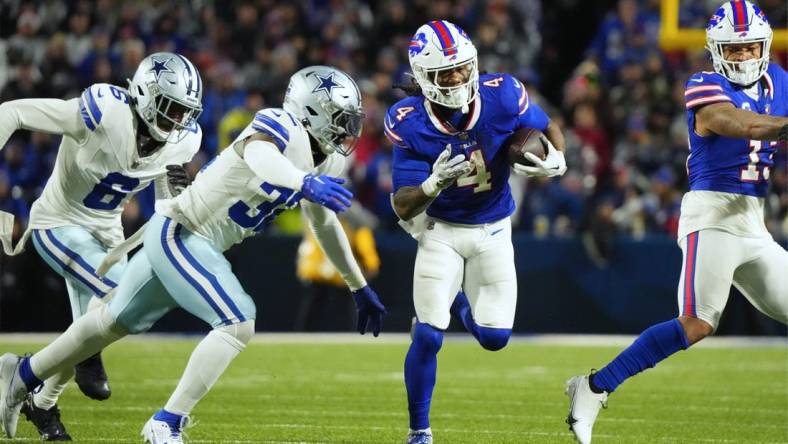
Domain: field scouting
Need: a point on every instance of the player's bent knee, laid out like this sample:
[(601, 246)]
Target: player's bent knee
[(494, 339), (238, 334), (428, 337), (695, 328)]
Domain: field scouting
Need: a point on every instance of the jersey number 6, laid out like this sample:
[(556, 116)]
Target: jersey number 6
[(109, 193)]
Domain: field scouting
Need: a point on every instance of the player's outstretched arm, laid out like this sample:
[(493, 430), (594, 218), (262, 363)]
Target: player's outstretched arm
[(726, 120), (52, 116), (263, 157), (411, 201), (334, 242)]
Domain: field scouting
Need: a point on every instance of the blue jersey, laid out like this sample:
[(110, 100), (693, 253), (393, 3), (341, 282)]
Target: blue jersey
[(419, 136), (725, 164)]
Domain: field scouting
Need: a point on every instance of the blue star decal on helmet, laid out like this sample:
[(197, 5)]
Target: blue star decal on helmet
[(160, 66), (326, 83)]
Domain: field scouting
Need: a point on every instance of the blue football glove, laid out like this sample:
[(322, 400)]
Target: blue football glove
[(369, 309), (327, 191)]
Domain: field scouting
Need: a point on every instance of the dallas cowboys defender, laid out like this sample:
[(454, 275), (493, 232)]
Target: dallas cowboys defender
[(449, 160), (736, 116), (181, 263), (115, 142)]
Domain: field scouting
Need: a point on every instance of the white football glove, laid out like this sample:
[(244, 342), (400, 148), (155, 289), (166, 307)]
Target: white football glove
[(445, 171), (553, 165)]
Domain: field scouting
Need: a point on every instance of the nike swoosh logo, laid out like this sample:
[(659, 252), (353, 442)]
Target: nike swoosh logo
[(276, 114), (496, 232), (699, 79), (100, 93)]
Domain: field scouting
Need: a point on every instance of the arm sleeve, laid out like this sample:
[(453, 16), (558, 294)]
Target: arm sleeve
[(46, 115), (409, 168), (334, 242), (534, 117), (269, 164), (529, 114)]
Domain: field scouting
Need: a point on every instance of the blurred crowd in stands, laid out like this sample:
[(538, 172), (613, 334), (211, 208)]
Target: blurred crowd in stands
[(622, 107)]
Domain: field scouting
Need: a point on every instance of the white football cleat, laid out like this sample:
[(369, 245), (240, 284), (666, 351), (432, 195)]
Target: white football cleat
[(160, 432), (12, 393), (584, 406), (420, 437)]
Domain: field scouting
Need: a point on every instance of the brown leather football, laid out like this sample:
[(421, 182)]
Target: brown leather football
[(525, 140)]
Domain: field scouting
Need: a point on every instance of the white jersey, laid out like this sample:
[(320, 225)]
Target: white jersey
[(98, 167), (227, 202), (736, 214)]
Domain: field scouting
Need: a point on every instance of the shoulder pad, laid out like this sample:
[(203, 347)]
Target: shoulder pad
[(398, 117), (705, 88), (511, 93), (277, 124), (100, 100)]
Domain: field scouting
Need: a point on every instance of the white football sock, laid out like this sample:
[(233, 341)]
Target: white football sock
[(208, 361), (52, 389), (84, 338)]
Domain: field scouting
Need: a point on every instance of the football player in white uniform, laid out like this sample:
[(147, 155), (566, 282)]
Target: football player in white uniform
[(282, 156), (115, 142)]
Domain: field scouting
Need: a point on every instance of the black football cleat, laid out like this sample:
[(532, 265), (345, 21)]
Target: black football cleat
[(92, 379), (47, 422)]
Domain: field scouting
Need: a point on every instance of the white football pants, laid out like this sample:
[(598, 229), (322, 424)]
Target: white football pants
[(478, 258), (713, 260)]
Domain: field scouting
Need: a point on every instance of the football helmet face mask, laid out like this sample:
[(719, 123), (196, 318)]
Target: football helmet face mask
[(167, 94), (328, 102), (437, 47), (735, 23)]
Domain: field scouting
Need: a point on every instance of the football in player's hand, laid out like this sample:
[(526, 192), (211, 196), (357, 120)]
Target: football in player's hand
[(525, 140)]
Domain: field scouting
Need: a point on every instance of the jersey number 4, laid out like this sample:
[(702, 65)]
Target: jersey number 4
[(479, 178), (110, 192)]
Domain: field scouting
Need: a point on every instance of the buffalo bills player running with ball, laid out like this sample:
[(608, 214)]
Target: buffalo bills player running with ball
[(449, 160), (262, 173), (736, 117), (115, 142)]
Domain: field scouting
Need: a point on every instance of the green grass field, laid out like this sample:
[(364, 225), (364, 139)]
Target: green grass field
[(285, 391)]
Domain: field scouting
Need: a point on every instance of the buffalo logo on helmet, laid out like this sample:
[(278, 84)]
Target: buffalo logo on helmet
[(716, 18), (417, 44)]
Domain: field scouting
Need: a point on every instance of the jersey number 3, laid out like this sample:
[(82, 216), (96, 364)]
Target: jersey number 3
[(284, 198), (109, 193)]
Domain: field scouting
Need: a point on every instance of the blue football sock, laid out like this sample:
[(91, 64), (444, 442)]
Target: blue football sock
[(462, 309), (172, 420), (28, 377), (490, 338), (652, 346), (421, 365)]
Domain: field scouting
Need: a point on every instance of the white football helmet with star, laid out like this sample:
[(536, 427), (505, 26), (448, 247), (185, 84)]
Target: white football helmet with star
[(328, 103), (167, 93)]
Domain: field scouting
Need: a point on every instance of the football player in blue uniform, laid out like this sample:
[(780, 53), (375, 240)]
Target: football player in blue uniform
[(450, 173), (736, 117)]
